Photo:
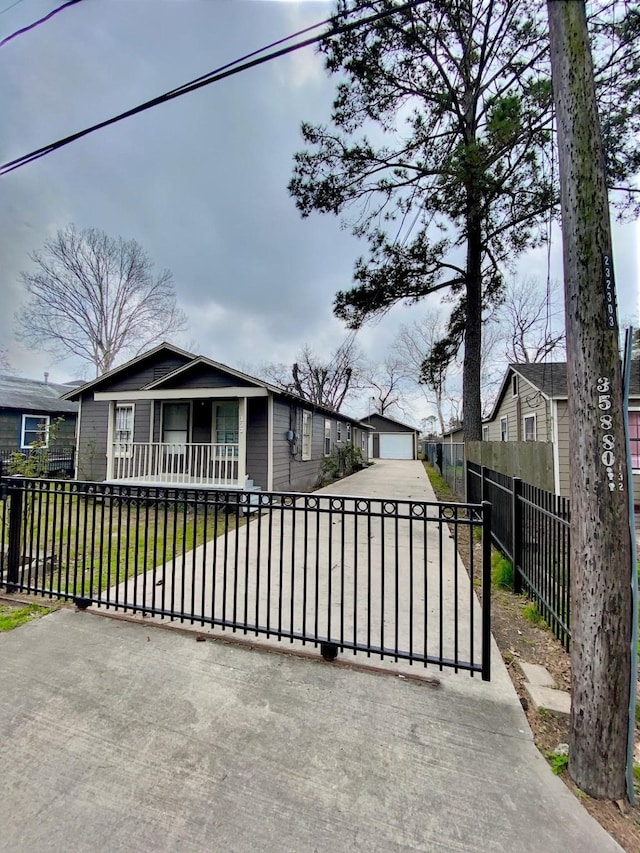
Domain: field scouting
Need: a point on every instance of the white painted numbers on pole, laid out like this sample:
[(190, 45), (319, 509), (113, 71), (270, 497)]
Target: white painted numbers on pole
[(607, 439), (609, 291)]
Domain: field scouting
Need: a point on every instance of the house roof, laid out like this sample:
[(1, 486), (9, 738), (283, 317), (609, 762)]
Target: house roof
[(370, 417), (551, 380), (202, 360), (33, 395), (193, 361), (77, 392)]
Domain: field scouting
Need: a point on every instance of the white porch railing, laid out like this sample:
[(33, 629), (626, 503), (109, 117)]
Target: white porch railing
[(175, 464)]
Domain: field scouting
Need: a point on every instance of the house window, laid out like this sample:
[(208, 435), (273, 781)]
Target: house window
[(123, 435), (327, 438), (227, 424), (530, 428), (175, 423), (348, 432), (504, 429), (485, 433), (338, 431), (634, 439), (514, 385), (307, 432), (363, 441), (35, 428)]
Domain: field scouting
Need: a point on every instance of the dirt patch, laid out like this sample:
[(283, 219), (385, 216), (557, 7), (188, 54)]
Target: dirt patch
[(520, 640)]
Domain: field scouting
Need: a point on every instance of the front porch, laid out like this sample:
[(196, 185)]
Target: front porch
[(177, 464)]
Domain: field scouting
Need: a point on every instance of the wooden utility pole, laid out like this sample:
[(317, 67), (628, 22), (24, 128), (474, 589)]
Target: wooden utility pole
[(600, 535)]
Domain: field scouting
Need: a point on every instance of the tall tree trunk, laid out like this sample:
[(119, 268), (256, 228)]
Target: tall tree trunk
[(471, 405), (600, 536)]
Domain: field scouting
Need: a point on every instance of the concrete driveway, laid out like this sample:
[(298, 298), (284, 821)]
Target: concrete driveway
[(124, 737), (371, 582)]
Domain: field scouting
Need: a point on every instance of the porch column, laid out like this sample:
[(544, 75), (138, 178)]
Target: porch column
[(110, 427), (242, 441)]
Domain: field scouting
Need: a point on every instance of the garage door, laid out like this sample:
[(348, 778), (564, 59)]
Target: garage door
[(396, 445)]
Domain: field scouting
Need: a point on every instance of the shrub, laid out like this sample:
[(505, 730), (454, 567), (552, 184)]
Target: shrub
[(501, 571), (342, 462)]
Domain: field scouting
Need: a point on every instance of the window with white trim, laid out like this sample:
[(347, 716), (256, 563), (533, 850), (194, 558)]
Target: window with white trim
[(327, 438), (504, 429), (634, 438), (363, 441), (485, 433), (123, 431), (35, 428), (529, 431), (307, 433), (348, 432), (338, 431)]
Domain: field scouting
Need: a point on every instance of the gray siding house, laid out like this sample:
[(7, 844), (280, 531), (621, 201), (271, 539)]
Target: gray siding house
[(169, 417), (28, 408), (391, 439), (532, 406)]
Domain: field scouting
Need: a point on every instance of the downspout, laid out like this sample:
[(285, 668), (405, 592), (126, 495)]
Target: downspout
[(634, 573)]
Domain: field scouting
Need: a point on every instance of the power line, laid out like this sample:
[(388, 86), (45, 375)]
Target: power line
[(10, 6), (35, 23), (212, 77)]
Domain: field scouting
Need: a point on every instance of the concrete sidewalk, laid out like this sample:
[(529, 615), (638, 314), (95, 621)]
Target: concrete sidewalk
[(123, 737)]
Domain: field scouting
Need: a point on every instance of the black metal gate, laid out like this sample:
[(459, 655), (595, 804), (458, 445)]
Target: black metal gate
[(365, 575)]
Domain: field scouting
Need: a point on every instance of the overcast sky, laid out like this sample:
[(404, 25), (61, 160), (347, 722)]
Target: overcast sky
[(201, 182)]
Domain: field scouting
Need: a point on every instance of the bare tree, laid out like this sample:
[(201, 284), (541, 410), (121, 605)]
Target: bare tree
[(530, 323), (413, 345), (324, 383), (4, 360), (96, 297), (388, 381)]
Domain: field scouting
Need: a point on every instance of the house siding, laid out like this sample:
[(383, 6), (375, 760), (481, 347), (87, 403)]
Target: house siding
[(562, 454), (142, 374), (204, 376), (11, 428), (92, 441), (290, 471), (258, 441), (528, 402)]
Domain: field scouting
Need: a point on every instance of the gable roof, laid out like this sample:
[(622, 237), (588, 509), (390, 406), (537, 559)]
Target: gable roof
[(76, 393), (33, 395), (550, 379), (203, 361), (373, 415), (191, 362)]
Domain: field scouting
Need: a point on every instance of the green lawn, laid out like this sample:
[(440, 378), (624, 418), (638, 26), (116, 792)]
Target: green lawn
[(89, 544), (12, 616)]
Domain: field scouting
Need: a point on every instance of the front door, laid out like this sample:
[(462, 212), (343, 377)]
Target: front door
[(175, 435), (175, 423)]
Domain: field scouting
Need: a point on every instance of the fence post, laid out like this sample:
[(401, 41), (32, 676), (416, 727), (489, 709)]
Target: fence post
[(483, 480), (516, 534), (486, 591), (15, 531)]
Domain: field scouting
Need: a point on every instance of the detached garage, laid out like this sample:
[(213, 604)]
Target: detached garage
[(390, 439)]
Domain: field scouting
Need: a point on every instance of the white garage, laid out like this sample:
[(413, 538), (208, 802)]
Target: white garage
[(396, 445)]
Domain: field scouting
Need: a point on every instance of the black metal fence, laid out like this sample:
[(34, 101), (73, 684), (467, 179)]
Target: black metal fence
[(47, 461), (382, 577), (532, 528)]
